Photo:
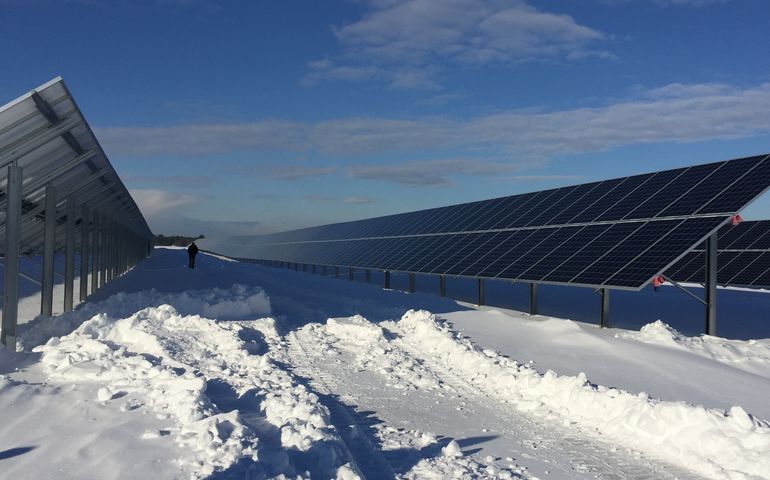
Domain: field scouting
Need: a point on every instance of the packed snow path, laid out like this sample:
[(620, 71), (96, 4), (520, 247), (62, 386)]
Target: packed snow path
[(249, 372)]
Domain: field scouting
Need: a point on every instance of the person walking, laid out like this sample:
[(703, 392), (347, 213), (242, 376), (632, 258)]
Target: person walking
[(192, 251)]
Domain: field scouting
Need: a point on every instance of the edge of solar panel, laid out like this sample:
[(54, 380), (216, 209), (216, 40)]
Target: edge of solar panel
[(314, 236)]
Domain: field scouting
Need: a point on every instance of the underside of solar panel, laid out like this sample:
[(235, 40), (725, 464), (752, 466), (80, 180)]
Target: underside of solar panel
[(617, 233)]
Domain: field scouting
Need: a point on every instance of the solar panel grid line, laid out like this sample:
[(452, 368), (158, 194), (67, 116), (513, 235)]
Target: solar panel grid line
[(672, 241), (685, 266), (509, 244), (432, 246), (409, 250), (507, 206), (604, 201), (754, 179), (624, 231), (598, 191), (520, 219), (446, 216), (654, 203), (565, 199), (734, 264), (583, 192), (709, 189), (517, 269), (408, 222), (456, 248), (523, 245), (639, 183), (764, 277), (511, 270), (530, 273), (462, 265), (495, 240), (459, 217)]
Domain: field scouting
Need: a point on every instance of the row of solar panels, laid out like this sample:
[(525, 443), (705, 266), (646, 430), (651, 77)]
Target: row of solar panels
[(709, 189), (618, 233), (45, 133)]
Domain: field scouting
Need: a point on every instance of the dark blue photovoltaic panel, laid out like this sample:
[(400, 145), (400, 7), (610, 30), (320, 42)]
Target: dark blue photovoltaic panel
[(615, 233)]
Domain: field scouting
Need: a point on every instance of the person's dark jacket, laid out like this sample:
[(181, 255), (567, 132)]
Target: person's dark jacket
[(192, 250)]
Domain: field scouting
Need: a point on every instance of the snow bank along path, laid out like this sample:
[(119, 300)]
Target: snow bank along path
[(229, 407)]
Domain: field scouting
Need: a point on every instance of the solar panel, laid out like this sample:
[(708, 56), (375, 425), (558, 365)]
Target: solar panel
[(743, 257), (617, 233)]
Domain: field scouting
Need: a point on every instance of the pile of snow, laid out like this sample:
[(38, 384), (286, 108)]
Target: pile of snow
[(372, 351), (712, 442), (750, 355), (202, 376), (236, 303)]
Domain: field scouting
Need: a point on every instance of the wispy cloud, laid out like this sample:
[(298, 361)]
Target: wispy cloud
[(349, 200), (430, 172), (182, 181), (673, 113), (153, 202), (408, 43), (298, 173)]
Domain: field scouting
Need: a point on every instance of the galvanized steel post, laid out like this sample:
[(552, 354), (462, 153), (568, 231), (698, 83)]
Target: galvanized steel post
[(11, 277), (49, 240), (481, 293), (84, 232), (711, 285), (604, 318), (533, 298), (69, 256)]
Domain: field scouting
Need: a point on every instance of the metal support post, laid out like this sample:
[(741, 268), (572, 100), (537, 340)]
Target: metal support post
[(711, 285), (95, 252), (442, 285), (84, 221), (337, 272), (367, 275), (481, 295), (11, 278), (323, 270), (533, 298), (411, 283), (351, 274), (387, 279), (104, 246), (69, 256), (604, 319), (314, 269), (49, 241)]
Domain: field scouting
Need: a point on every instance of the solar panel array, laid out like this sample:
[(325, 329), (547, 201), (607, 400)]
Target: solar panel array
[(616, 233), (743, 257), (45, 133)]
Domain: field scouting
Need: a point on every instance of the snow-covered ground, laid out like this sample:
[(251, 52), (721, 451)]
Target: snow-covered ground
[(234, 370)]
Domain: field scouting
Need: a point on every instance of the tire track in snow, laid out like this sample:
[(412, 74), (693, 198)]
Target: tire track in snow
[(367, 458)]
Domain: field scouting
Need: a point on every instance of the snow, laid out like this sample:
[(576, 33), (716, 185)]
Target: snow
[(234, 370)]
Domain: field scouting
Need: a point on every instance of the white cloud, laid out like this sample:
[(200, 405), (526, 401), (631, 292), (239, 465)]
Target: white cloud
[(153, 201), (430, 172), (407, 42), (673, 113), (297, 173)]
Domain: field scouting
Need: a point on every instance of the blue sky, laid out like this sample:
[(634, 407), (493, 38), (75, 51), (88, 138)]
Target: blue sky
[(242, 117)]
